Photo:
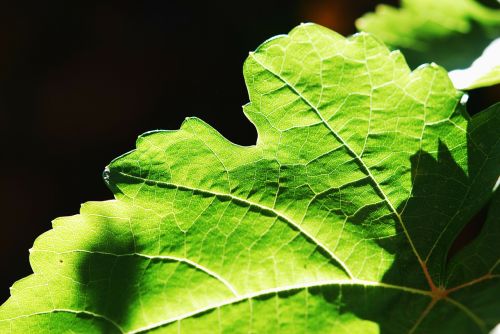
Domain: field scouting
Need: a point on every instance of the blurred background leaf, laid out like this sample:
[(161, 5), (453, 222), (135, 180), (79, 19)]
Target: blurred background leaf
[(452, 33)]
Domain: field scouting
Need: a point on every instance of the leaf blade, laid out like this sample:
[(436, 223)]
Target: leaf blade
[(302, 232)]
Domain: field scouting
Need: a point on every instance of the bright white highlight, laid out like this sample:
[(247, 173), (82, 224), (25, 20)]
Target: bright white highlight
[(481, 67)]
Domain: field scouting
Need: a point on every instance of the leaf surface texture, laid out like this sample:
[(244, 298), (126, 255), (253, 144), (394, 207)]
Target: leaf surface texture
[(338, 220)]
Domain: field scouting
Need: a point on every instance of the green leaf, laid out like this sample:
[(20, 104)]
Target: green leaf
[(452, 33), (339, 220)]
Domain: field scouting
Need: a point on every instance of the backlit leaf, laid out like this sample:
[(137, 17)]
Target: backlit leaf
[(339, 219)]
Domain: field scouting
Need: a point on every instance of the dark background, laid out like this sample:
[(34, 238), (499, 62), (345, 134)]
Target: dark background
[(79, 81)]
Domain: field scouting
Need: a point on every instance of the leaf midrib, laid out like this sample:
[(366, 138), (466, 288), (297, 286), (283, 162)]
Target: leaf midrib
[(273, 291), (247, 202), (235, 300), (316, 284)]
